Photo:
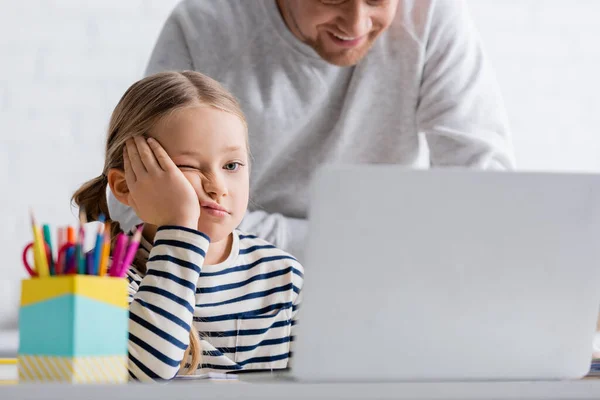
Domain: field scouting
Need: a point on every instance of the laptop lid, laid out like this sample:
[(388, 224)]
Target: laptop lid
[(449, 275)]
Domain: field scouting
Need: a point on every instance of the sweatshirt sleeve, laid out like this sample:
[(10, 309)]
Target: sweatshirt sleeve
[(460, 109), (162, 303), (286, 233)]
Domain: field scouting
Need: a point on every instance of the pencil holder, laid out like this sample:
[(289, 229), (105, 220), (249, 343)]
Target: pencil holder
[(73, 328)]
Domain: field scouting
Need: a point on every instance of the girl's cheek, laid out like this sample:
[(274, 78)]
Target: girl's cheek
[(240, 180)]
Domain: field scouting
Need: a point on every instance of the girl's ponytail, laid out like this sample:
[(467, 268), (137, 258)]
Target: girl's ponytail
[(91, 198)]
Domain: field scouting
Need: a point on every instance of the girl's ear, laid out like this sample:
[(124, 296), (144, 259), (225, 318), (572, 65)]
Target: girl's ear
[(118, 185)]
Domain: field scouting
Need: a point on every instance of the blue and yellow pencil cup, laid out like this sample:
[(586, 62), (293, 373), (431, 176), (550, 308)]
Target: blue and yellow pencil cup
[(73, 329)]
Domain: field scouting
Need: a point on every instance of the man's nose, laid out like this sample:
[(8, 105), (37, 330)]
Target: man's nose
[(356, 20)]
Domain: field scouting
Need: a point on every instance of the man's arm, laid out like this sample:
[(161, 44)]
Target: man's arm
[(460, 108), (288, 234)]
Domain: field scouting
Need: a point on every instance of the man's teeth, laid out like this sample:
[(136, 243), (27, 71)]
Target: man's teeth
[(343, 37)]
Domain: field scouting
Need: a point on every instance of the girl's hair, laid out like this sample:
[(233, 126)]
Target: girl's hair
[(142, 106)]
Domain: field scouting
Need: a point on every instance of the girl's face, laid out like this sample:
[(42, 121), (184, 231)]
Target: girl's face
[(209, 147)]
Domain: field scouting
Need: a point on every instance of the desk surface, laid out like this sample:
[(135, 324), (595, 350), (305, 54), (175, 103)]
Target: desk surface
[(585, 389)]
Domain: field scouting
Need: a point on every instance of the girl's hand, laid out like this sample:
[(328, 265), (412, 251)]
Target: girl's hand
[(158, 191)]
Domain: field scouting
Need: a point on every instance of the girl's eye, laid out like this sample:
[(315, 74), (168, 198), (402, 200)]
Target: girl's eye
[(232, 166), (185, 167)]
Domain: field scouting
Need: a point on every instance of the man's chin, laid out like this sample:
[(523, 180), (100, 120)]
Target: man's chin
[(345, 58)]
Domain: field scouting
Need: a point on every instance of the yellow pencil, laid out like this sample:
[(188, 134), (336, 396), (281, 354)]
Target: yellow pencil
[(105, 254), (43, 269), (39, 250), (36, 261)]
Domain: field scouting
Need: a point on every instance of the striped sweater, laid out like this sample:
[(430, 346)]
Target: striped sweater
[(244, 308)]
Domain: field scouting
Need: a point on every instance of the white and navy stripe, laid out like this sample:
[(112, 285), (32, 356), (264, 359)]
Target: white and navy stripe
[(244, 308)]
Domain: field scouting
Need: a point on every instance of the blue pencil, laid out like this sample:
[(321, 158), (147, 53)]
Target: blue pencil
[(70, 261), (89, 261), (98, 247)]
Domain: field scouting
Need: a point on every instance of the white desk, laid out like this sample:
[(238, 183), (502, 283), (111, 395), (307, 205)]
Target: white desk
[(9, 343), (586, 389)]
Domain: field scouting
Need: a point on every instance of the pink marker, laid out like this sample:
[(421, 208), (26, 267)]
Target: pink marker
[(130, 255), (118, 254)]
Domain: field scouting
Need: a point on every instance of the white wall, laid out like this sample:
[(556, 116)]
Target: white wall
[(63, 66), (65, 63), (547, 59)]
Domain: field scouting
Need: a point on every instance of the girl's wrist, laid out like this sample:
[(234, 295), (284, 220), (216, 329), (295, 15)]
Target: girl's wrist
[(184, 223)]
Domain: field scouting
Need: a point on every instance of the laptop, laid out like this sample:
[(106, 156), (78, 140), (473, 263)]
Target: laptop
[(449, 275)]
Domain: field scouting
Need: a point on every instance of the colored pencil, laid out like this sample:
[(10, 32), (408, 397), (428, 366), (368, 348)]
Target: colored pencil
[(39, 250), (71, 235), (71, 261), (130, 255), (48, 240), (70, 256), (60, 242), (105, 254), (89, 263), (81, 261), (99, 246)]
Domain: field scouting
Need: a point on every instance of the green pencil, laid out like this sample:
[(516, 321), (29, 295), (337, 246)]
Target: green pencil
[(48, 240)]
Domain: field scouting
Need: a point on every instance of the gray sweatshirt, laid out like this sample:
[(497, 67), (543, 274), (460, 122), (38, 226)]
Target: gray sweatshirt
[(426, 74)]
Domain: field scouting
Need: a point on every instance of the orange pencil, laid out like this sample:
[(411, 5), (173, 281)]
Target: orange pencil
[(105, 253), (71, 235)]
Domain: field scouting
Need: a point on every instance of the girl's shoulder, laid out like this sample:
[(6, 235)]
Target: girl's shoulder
[(255, 247)]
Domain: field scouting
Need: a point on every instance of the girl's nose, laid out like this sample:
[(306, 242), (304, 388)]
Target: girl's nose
[(214, 186)]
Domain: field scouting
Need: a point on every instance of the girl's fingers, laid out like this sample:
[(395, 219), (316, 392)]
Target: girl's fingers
[(134, 158), (146, 154), (163, 159), (130, 177)]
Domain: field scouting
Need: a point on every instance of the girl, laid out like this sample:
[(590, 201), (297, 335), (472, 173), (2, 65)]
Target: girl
[(203, 296)]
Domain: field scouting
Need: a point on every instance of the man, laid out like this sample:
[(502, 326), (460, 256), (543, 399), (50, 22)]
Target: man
[(353, 81)]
